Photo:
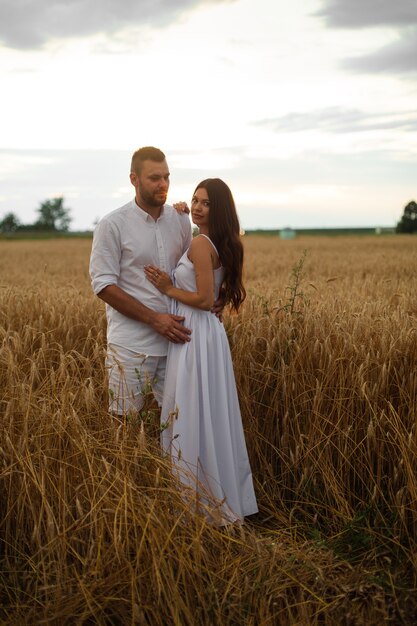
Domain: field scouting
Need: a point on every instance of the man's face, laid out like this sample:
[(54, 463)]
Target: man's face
[(151, 184)]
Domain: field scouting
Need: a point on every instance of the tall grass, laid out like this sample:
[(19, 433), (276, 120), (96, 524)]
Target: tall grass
[(93, 530)]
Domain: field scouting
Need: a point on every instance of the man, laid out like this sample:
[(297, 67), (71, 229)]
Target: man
[(139, 326)]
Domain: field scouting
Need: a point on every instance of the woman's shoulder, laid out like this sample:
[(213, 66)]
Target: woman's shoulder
[(200, 242), (202, 245)]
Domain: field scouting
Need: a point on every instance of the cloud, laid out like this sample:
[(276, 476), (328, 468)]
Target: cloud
[(340, 120), (368, 13), (398, 57), (30, 24)]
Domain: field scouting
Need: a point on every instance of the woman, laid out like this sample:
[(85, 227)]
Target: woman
[(200, 410)]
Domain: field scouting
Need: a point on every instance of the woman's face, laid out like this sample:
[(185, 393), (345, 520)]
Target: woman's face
[(200, 208)]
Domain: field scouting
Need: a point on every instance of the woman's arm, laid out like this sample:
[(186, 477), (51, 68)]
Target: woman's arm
[(201, 252)]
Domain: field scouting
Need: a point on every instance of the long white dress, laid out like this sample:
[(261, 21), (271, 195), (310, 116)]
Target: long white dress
[(201, 420)]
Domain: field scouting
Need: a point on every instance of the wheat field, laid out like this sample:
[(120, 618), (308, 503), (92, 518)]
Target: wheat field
[(93, 529)]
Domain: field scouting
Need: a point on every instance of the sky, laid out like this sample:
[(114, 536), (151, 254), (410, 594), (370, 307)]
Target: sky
[(307, 109)]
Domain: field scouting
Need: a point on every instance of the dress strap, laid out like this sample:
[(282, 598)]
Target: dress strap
[(201, 235)]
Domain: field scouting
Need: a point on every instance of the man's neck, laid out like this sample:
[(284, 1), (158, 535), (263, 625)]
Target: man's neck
[(153, 211)]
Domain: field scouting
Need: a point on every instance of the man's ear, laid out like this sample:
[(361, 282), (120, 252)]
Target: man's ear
[(133, 178)]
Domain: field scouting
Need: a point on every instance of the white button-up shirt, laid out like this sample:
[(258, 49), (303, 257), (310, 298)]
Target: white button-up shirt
[(124, 242)]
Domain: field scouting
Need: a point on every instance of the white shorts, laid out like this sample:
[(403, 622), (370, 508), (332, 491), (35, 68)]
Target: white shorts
[(131, 376)]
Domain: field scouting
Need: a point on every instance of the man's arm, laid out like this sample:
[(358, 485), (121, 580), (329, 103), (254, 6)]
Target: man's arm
[(105, 271), (165, 324)]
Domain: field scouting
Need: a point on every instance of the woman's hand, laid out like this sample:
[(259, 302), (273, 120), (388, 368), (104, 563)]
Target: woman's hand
[(181, 207), (161, 280)]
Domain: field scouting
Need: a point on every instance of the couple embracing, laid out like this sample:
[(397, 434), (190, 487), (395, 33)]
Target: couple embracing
[(162, 289)]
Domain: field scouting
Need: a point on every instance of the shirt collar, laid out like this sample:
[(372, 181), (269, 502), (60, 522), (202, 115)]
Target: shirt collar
[(144, 214)]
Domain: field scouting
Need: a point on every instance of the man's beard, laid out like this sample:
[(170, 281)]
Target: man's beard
[(151, 200)]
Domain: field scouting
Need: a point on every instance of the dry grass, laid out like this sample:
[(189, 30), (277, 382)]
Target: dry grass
[(93, 530)]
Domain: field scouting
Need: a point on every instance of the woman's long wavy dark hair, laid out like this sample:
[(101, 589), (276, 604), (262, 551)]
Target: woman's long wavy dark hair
[(224, 231)]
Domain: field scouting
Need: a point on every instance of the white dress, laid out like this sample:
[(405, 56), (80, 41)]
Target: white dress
[(201, 420)]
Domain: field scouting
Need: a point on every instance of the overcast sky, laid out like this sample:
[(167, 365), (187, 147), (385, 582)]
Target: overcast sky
[(307, 109)]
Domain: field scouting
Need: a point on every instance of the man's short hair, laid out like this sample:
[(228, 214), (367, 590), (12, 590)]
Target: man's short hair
[(148, 153)]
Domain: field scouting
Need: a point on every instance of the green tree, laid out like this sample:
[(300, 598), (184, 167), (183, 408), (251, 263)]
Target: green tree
[(408, 222), (53, 215), (10, 223)]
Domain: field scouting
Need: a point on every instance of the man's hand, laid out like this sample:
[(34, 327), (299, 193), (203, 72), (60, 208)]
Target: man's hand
[(181, 207), (165, 324), (170, 326), (218, 306)]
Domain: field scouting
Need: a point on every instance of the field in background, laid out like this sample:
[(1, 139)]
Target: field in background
[(92, 528)]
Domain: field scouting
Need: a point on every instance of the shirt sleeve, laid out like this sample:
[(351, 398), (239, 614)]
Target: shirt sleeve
[(105, 256)]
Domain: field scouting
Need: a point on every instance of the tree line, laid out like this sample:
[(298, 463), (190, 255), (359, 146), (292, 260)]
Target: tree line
[(53, 216)]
